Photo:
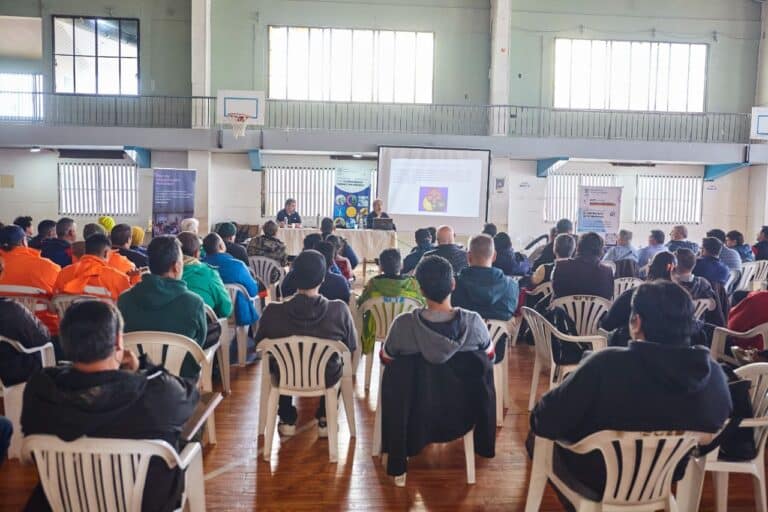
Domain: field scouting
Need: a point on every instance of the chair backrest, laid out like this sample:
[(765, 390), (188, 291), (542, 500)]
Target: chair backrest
[(95, 474), (384, 311), (497, 329), (639, 465), (622, 284), (262, 268), (62, 301), (544, 289), (301, 360), (34, 299), (720, 337), (761, 271), (46, 352), (748, 271), (733, 280), (541, 330), (165, 348), (234, 289), (701, 306), (757, 374), (586, 311)]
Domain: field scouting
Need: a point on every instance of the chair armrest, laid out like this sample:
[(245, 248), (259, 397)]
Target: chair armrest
[(188, 454), (598, 342), (754, 422)]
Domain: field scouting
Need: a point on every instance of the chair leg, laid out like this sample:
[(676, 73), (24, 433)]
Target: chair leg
[(671, 505), (195, 484), (222, 355), (689, 488), (758, 480), (266, 386), (347, 395), (269, 430), (720, 479), (369, 368), (534, 383), (505, 384), (376, 449), (541, 452), (498, 379), (469, 455), (332, 416), (242, 344)]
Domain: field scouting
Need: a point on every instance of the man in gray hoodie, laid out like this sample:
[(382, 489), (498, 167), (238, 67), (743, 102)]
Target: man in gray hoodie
[(438, 331)]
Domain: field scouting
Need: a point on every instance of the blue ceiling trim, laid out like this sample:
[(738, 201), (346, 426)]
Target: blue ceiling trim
[(143, 156), (547, 164), (714, 171), (254, 156)]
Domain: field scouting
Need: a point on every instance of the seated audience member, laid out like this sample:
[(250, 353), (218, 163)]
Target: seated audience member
[(137, 240), (107, 393), (107, 223), (269, 246), (423, 245), (728, 257), (679, 240), (539, 248), (227, 232), (78, 247), (92, 270), (45, 229), (308, 313), (288, 215), (438, 331), (660, 382), (698, 287), (709, 265), (121, 242), (655, 246), (343, 264), (735, 240), (377, 212), (26, 267), (233, 271), (748, 314), (334, 287), (190, 224), (162, 302), (19, 324), (311, 240), (509, 261), (390, 283), (448, 249), (623, 249), (563, 226), (25, 223), (760, 249), (565, 245), (584, 274), (490, 229), (327, 228), (6, 431), (201, 278), (59, 249)]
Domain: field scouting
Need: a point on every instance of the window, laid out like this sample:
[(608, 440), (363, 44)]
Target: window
[(629, 75), (668, 199), (96, 55), (21, 97), (329, 64), (88, 187), (312, 187), (563, 193)]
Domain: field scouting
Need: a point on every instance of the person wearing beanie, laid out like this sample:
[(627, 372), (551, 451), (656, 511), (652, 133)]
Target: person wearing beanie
[(308, 313), (107, 223), (137, 239), (227, 232), (334, 286)]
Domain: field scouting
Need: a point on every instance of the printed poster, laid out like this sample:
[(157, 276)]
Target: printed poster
[(173, 199), (352, 196), (600, 211)]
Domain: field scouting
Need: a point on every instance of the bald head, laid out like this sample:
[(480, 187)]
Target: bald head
[(481, 251), (445, 235)]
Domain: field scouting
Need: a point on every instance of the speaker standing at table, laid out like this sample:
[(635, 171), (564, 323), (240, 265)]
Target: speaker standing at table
[(289, 215), (377, 213)]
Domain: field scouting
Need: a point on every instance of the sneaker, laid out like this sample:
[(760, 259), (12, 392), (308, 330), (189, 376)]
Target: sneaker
[(322, 427), (400, 480), (286, 429)]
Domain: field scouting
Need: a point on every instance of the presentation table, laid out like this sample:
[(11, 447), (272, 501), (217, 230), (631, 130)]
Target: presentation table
[(367, 243)]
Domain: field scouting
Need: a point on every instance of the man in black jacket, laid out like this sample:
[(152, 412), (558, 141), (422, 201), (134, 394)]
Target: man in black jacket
[(448, 249), (121, 241), (659, 382), (563, 226), (106, 394), (584, 274)]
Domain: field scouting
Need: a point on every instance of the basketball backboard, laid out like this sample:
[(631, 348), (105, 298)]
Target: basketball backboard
[(250, 103)]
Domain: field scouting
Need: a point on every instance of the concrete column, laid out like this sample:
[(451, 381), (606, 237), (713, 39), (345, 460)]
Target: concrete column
[(201, 162), (201, 47), (499, 73), (761, 92)]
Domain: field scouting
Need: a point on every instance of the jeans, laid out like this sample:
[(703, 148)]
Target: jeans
[(6, 430)]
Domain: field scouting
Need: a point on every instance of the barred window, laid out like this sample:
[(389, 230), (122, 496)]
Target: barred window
[(88, 187), (563, 193), (669, 199), (21, 96)]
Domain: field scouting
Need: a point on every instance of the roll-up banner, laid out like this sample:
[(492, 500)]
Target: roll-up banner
[(173, 199), (600, 211)]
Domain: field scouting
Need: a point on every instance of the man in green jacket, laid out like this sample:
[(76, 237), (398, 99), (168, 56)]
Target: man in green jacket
[(203, 279), (162, 302)]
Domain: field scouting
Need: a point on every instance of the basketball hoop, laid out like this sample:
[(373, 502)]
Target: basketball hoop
[(239, 122)]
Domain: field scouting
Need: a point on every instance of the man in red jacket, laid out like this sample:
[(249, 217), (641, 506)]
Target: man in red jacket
[(747, 314)]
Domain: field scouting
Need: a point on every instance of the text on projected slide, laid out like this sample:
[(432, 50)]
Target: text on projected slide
[(435, 187)]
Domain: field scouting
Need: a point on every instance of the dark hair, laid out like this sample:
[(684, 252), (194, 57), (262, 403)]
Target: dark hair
[(337, 242), (490, 229), (391, 262), (736, 236), (89, 331), (46, 227), (712, 245), (328, 250), (564, 226), (764, 231), (659, 267), (423, 236), (717, 233), (64, 226), (190, 243), (24, 223), (91, 229), (289, 201), (326, 226), (435, 277), (96, 244), (502, 242), (590, 244), (666, 311), (686, 259), (433, 233), (564, 246), (311, 240), (269, 228), (211, 243), (120, 235), (163, 252), (657, 235)]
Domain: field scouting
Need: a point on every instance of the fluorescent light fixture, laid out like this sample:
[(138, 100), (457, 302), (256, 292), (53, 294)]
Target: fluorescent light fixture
[(35, 149)]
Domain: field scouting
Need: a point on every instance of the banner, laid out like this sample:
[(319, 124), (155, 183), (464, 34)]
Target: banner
[(600, 211), (351, 196), (173, 199)]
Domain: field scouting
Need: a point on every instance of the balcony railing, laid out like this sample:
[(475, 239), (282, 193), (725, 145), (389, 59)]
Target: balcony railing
[(471, 120)]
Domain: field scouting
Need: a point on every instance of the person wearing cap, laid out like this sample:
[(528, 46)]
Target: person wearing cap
[(92, 270), (227, 232), (308, 313), (25, 267)]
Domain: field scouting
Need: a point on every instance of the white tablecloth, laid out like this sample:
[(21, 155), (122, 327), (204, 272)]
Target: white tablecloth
[(367, 243)]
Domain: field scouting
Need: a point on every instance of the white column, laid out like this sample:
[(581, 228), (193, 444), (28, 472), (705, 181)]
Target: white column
[(201, 47), (761, 92), (499, 73), (201, 162)]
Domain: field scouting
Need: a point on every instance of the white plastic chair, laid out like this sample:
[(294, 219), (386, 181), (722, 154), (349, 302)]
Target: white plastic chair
[(761, 272), (62, 301), (611, 265), (34, 299), (13, 395), (586, 311), (721, 335), (95, 474), (701, 306), (241, 331), (384, 310), (752, 272), (497, 329), (622, 284), (733, 280), (262, 268), (544, 289), (648, 460), (222, 354), (543, 331), (170, 349), (301, 361)]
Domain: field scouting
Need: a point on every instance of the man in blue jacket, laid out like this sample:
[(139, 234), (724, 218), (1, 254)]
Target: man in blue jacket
[(233, 271), (709, 265), (59, 249)]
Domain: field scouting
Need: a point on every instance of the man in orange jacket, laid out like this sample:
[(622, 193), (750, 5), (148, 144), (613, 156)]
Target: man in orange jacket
[(93, 270), (25, 267)]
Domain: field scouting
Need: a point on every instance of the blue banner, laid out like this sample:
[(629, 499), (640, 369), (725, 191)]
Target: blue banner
[(173, 199), (351, 197)]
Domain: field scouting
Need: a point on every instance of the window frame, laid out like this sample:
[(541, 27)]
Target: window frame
[(36, 97), (699, 206), (352, 29), (99, 188), (705, 98), (96, 55)]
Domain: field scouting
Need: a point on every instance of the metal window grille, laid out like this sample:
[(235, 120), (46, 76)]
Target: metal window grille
[(88, 187), (563, 193), (21, 96), (669, 199)]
